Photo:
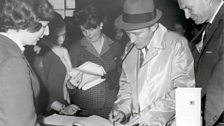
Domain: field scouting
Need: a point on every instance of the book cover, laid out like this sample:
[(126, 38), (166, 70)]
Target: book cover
[(188, 106)]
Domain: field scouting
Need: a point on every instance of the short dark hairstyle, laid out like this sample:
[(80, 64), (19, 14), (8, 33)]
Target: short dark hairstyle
[(24, 14), (90, 16), (56, 24)]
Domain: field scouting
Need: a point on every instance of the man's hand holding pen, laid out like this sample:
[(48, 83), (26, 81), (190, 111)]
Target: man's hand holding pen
[(116, 117)]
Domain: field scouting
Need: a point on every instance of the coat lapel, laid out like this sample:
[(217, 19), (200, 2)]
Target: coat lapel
[(212, 29), (150, 54), (34, 80), (210, 32), (157, 43), (106, 45), (89, 47)]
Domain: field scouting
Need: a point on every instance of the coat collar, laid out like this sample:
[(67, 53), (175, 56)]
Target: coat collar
[(10, 43), (157, 40), (89, 47), (157, 43), (17, 51)]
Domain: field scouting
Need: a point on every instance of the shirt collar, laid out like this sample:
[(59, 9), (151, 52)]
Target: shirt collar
[(216, 12), (15, 40)]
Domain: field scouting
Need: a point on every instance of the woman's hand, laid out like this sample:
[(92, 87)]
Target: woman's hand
[(75, 79), (69, 110)]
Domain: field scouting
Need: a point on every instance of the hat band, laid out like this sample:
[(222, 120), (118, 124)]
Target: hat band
[(139, 18)]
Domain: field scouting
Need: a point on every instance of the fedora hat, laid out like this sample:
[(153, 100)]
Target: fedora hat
[(138, 14)]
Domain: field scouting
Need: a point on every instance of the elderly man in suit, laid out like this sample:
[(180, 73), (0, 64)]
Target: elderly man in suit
[(208, 53), (23, 22), (146, 93)]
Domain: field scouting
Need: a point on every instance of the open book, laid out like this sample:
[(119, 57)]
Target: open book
[(62, 120), (93, 120), (93, 74)]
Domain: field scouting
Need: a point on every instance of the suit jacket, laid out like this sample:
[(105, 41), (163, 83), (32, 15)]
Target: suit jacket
[(19, 86), (168, 64), (100, 98), (209, 69)]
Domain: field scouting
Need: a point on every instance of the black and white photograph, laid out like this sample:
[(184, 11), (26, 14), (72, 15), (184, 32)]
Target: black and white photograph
[(111, 63)]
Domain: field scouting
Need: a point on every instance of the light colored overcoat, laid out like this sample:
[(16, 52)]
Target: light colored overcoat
[(168, 64)]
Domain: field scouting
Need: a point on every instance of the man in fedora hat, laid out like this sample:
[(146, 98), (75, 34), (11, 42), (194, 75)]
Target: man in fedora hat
[(146, 94)]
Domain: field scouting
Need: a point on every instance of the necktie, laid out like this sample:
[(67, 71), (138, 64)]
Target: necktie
[(142, 55), (197, 39)]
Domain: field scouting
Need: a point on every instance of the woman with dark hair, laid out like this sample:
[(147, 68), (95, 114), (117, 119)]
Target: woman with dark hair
[(95, 47), (23, 22), (52, 64)]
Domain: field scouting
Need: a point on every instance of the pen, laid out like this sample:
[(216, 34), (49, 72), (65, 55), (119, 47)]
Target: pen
[(114, 123)]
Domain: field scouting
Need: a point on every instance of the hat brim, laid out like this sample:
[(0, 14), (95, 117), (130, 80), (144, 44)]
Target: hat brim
[(132, 26)]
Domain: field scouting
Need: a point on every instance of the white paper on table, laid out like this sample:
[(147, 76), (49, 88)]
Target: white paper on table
[(188, 106), (61, 120)]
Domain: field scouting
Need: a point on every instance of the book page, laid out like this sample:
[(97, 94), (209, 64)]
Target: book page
[(89, 81), (91, 68), (93, 121), (61, 120), (88, 78), (92, 83), (92, 74)]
